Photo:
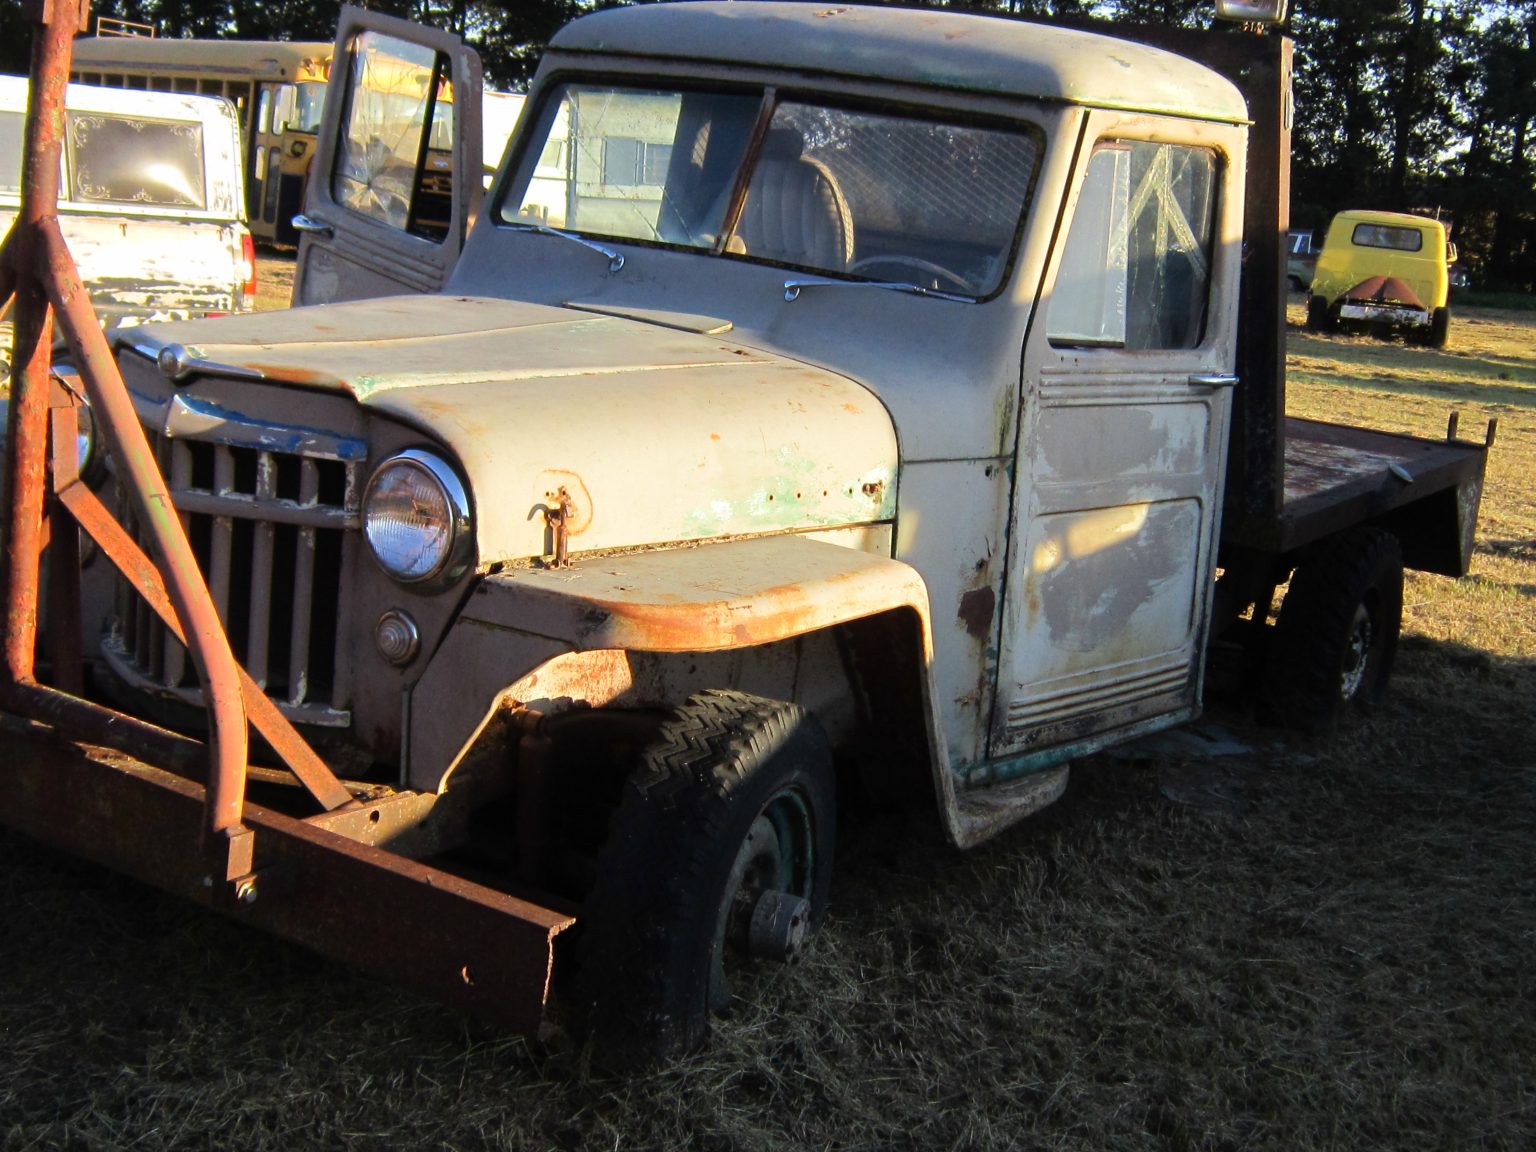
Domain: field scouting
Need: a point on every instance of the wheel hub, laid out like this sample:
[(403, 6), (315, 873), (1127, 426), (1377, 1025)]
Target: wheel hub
[(1357, 653), (776, 929)]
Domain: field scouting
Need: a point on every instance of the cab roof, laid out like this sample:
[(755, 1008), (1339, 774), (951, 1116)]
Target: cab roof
[(940, 49), (1402, 219)]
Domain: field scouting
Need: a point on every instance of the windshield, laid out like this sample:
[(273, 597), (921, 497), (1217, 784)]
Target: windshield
[(839, 191), (309, 108)]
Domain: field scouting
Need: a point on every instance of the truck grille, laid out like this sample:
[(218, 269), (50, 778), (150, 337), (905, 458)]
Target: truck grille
[(273, 534)]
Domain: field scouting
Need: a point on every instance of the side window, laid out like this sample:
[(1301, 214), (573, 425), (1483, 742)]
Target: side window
[(11, 125), (1136, 269), (384, 167), (273, 184)]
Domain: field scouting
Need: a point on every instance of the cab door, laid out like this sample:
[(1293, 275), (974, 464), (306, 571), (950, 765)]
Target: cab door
[(396, 176), (1125, 398)]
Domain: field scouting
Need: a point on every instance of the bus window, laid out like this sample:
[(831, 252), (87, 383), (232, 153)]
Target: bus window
[(311, 107), (283, 107), (273, 186)]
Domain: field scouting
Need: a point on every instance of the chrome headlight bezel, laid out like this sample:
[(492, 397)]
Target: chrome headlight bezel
[(448, 560)]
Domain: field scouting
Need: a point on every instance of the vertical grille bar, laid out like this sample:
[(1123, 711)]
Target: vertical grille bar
[(258, 646), (124, 603), (171, 657), (341, 677), (222, 543), (289, 620), (303, 588)]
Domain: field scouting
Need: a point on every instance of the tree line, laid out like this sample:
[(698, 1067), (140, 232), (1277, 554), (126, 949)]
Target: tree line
[(1415, 105)]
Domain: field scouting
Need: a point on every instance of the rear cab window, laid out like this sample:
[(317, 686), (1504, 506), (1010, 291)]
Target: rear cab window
[(134, 161), (1387, 236)]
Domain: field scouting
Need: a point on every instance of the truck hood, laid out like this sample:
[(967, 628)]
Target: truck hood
[(656, 432)]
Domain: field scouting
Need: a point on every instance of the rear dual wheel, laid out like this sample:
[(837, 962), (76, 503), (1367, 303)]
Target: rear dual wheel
[(719, 857), (1338, 628)]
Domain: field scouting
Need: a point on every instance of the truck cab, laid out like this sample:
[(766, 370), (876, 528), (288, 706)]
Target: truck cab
[(788, 418)]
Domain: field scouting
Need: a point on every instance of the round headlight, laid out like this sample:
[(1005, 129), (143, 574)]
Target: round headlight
[(416, 519)]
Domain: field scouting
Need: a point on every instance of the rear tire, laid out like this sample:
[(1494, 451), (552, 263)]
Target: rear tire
[(1439, 328), (1318, 319), (1338, 629), (729, 812)]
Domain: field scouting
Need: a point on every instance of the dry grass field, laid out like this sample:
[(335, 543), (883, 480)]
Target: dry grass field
[(1232, 940)]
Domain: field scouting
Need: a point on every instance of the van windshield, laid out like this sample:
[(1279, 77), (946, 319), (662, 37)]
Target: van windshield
[(838, 191)]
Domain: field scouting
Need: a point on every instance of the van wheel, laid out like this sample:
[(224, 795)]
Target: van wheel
[(1439, 328), (719, 855), (1318, 319), (1338, 629)]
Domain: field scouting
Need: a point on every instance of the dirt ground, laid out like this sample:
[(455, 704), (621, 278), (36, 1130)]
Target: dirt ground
[(1223, 938), (274, 280)]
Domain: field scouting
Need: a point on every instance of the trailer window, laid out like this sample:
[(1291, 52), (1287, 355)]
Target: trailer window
[(1135, 272), (131, 160)]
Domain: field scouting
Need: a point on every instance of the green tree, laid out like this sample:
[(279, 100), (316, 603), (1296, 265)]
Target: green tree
[(1412, 104)]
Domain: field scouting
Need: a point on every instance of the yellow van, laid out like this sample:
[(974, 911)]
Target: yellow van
[(1384, 269)]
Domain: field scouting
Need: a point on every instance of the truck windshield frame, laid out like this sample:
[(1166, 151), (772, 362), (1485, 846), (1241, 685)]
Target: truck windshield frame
[(784, 179)]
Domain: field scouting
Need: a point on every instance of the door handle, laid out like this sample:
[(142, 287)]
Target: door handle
[(324, 231), (1213, 380)]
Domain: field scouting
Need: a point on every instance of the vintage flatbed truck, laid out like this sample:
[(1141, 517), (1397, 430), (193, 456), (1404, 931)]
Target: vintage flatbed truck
[(821, 395)]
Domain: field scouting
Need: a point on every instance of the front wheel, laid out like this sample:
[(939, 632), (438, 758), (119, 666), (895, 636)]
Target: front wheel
[(719, 855), (1338, 629)]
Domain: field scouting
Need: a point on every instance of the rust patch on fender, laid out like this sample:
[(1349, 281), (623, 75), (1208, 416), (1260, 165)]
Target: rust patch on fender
[(977, 608)]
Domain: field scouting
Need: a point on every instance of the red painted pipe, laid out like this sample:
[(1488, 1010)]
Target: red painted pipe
[(140, 478), (27, 434)]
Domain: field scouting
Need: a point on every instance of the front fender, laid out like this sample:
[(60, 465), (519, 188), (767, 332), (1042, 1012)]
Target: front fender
[(706, 598)]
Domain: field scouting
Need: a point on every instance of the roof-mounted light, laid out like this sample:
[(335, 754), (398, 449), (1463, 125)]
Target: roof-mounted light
[(1251, 11)]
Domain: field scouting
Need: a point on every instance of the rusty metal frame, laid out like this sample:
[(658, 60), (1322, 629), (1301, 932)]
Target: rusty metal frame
[(174, 811)]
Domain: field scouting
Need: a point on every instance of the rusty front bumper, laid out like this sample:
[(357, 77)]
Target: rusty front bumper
[(428, 930)]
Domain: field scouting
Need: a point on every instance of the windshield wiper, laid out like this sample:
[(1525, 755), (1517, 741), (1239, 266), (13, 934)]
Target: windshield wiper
[(615, 259), (793, 288)]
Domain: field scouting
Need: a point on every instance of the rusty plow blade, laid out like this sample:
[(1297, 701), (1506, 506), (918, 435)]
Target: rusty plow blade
[(183, 823), (444, 937)]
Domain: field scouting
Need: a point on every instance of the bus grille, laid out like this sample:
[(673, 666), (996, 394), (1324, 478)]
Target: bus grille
[(274, 535)]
